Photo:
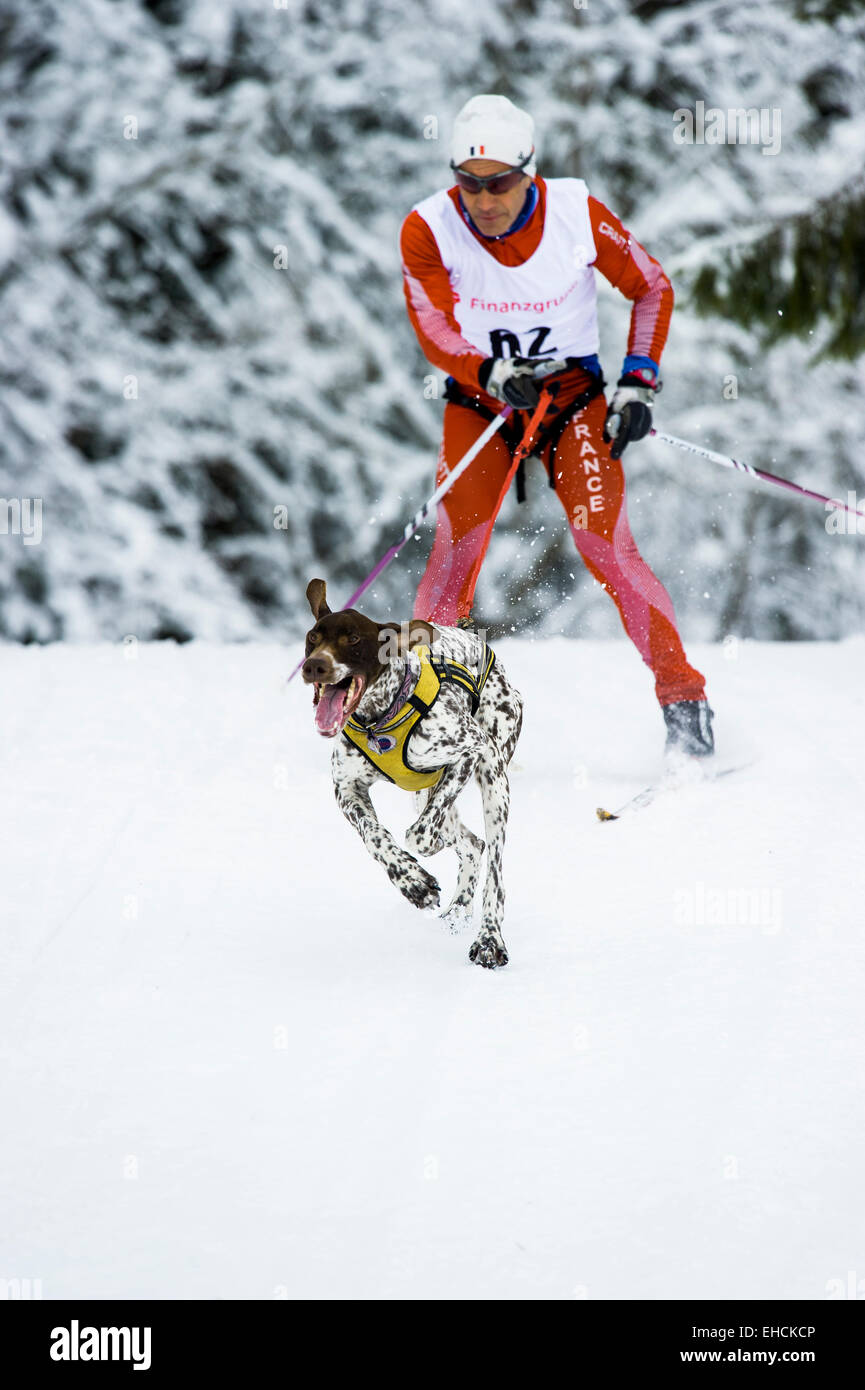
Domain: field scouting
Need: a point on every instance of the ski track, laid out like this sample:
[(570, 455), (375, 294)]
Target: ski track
[(235, 1063)]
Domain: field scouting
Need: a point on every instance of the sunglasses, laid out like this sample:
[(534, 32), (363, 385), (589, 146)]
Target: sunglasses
[(493, 183)]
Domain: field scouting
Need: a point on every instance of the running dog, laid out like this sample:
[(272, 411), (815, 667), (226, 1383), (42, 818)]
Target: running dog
[(426, 707)]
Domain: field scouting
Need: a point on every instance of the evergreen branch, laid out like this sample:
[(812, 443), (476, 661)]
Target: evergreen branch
[(803, 272)]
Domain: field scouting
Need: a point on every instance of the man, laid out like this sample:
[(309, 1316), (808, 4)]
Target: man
[(499, 282)]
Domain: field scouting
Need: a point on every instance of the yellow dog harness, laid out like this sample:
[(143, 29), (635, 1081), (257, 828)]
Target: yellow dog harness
[(386, 743)]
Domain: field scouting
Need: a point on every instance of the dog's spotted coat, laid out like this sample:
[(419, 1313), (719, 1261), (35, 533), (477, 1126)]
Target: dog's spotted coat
[(449, 736)]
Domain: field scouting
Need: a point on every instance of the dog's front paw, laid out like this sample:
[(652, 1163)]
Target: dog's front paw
[(424, 838), (413, 881), (488, 950)]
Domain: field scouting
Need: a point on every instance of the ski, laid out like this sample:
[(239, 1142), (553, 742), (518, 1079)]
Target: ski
[(670, 783)]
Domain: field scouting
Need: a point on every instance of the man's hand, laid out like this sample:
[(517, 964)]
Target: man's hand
[(629, 416), (517, 381)]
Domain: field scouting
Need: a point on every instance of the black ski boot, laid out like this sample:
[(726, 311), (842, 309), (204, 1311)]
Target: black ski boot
[(689, 728), (467, 624)]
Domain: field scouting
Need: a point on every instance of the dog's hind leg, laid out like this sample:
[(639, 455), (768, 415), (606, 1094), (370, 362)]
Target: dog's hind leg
[(470, 848), (501, 713), (489, 948)]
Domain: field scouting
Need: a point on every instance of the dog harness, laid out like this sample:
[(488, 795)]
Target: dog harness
[(386, 742)]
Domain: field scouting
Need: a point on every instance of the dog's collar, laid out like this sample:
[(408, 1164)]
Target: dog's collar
[(409, 681)]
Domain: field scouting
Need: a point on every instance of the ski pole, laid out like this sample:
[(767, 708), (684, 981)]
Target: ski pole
[(419, 516), (448, 482), (753, 472)]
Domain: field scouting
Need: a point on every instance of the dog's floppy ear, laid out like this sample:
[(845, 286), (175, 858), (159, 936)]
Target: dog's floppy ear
[(316, 593)]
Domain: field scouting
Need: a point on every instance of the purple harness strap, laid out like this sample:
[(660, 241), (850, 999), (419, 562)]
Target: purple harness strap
[(408, 685)]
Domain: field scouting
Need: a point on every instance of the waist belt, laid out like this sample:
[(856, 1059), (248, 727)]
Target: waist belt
[(512, 431)]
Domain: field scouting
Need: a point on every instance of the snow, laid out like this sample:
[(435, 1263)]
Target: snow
[(235, 1063)]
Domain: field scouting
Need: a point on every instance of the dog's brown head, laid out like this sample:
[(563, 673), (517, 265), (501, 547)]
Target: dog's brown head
[(346, 653), (342, 660)]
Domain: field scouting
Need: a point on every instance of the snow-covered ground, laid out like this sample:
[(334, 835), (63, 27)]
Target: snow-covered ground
[(235, 1063)]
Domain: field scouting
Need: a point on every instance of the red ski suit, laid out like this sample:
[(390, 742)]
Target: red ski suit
[(589, 483)]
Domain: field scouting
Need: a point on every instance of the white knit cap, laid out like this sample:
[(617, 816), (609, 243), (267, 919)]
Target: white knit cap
[(491, 127)]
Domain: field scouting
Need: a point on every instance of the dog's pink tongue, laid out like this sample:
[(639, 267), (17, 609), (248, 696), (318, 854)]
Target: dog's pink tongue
[(329, 710)]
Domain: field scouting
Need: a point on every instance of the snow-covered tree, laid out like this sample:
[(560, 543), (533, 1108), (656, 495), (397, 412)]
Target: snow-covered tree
[(206, 372)]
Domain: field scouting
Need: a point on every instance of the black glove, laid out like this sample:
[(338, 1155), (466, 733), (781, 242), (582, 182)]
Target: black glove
[(517, 381), (629, 416)]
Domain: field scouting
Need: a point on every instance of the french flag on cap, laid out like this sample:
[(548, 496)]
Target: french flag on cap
[(491, 127)]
